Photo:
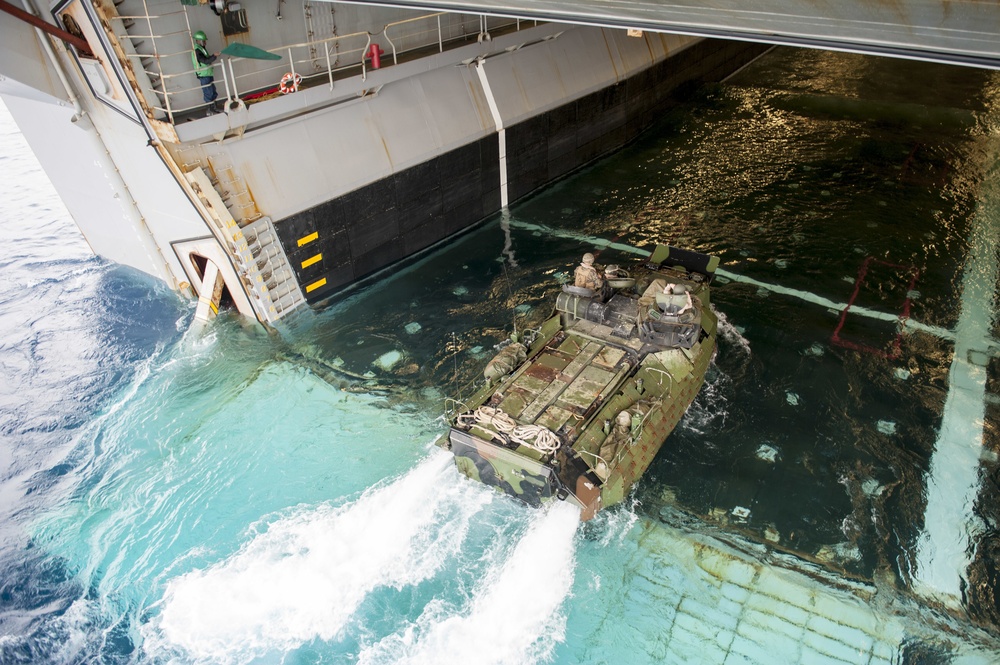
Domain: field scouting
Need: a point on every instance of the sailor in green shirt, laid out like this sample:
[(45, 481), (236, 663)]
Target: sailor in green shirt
[(203, 69)]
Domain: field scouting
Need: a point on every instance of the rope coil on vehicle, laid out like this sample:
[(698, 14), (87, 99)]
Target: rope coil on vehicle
[(537, 437), (289, 83)]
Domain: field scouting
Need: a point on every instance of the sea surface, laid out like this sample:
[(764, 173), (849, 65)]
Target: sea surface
[(232, 495)]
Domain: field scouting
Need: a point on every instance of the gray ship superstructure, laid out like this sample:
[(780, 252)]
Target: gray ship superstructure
[(344, 137)]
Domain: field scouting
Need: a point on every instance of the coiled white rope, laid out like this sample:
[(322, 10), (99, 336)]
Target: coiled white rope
[(537, 437)]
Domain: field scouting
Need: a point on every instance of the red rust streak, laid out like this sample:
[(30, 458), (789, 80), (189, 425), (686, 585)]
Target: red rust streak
[(546, 374)]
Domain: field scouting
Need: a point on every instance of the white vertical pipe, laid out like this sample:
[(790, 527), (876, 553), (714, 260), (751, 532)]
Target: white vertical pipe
[(501, 132), (57, 65)]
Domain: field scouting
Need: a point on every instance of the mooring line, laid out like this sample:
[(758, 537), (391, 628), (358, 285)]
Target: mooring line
[(813, 298)]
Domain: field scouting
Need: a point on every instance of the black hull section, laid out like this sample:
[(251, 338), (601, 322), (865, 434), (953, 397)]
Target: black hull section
[(393, 218)]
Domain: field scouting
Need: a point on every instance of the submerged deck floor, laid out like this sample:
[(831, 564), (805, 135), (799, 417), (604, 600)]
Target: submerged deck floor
[(854, 217)]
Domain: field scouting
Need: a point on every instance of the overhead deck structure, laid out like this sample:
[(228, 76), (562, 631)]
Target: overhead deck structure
[(963, 33)]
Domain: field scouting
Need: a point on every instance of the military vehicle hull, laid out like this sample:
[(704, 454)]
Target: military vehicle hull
[(579, 411)]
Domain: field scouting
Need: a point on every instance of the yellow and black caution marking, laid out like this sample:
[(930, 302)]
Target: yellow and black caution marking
[(210, 303), (305, 240), (312, 259), (315, 285)]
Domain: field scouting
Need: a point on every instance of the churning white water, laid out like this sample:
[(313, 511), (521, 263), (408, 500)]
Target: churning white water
[(304, 577), (515, 613)]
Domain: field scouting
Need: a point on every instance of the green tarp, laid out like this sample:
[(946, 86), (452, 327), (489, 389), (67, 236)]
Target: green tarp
[(238, 50)]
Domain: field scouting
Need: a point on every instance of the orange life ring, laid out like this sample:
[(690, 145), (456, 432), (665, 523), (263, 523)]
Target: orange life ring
[(289, 83)]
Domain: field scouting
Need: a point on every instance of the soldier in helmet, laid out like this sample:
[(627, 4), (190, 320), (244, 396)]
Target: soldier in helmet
[(203, 69), (586, 275)]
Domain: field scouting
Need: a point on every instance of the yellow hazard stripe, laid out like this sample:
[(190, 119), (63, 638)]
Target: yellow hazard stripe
[(309, 238), (208, 301), (315, 285), (311, 260)]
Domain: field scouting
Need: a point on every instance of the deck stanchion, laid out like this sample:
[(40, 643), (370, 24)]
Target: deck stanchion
[(232, 75), (329, 67), (364, 70)]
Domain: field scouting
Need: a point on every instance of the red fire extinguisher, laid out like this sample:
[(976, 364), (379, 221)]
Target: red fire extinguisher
[(375, 53)]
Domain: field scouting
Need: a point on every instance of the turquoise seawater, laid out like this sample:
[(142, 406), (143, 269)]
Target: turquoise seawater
[(238, 496)]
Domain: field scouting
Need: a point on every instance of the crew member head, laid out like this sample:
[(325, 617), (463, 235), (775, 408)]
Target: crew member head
[(200, 37), (588, 259)]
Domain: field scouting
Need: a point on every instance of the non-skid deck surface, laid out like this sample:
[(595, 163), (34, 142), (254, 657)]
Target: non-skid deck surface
[(562, 383)]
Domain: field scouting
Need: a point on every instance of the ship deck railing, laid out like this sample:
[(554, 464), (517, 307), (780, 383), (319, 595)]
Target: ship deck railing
[(176, 96)]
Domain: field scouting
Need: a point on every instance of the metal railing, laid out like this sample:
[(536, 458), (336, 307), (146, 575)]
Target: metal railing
[(179, 32), (245, 79), (447, 33), (241, 81)]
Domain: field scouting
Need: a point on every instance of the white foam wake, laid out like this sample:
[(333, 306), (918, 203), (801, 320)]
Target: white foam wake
[(731, 333), (306, 575), (515, 615)]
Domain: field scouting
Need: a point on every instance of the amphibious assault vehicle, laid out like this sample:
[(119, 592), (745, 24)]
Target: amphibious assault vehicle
[(578, 409)]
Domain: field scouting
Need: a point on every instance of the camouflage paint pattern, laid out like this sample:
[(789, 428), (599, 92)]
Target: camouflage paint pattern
[(579, 376)]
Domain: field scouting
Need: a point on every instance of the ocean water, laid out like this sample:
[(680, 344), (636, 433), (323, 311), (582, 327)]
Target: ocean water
[(234, 496)]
